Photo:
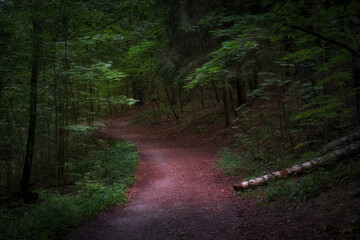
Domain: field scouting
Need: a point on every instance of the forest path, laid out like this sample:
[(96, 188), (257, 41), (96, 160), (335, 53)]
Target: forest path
[(178, 194)]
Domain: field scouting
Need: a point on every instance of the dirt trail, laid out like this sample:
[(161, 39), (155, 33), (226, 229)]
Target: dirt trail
[(178, 193)]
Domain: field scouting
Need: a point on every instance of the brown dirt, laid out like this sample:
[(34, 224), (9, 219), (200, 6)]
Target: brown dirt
[(179, 194)]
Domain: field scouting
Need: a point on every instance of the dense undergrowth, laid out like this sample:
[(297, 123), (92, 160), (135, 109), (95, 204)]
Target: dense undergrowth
[(154, 115), (101, 180)]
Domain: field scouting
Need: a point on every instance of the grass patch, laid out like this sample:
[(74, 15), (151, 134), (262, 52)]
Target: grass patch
[(235, 164), (102, 180)]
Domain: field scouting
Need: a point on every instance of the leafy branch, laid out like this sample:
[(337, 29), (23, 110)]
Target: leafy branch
[(355, 52)]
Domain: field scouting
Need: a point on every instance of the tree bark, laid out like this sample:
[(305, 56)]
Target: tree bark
[(226, 107), (63, 99), (35, 59), (353, 137), (333, 156), (240, 91), (253, 81), (180, 96), (170, 102), (213, 85), (356, 82)]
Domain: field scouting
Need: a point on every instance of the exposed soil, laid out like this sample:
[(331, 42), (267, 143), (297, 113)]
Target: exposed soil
[(179, 194)]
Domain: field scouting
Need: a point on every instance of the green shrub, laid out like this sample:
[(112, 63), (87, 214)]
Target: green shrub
[(307, 187), (103, 180)]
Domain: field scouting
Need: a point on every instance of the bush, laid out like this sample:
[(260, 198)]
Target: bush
[(103, 180)]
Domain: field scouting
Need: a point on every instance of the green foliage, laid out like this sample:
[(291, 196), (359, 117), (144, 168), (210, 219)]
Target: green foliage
[(304, 187), (320, 110), (304, 54), (99, 57), (102, 181), (244, 36), (307, 187), (235, 164), (153, 116), (110, 166)]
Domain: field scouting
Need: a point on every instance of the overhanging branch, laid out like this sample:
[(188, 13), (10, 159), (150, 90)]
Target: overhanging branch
[(353, 51)]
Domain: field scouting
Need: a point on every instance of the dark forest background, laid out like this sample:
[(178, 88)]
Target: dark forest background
[(284, 74)]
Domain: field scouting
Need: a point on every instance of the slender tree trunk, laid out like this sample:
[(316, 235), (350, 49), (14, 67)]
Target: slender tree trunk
[(232, 102), (7, 155), (202, 97), (63, 99), (240, 90), (19, 132), (213, 85), (170, 102), (30, 147), (226, 107), (157, 92), (180, 97), (126, 89), (134, 88), (173, 96), (356, 81)]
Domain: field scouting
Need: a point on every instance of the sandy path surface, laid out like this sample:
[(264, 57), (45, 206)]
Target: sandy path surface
[(178, 193)]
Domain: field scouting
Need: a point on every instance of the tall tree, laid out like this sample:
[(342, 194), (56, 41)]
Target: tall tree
[(35, 59)]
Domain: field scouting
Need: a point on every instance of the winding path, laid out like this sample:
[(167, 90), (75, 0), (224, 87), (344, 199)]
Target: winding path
[(178, 193)]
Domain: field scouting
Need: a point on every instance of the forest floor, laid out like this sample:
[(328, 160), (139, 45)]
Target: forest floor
[(179, 194)]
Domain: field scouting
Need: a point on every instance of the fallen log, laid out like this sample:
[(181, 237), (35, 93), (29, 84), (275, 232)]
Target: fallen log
[(352, 137), (333, 156)]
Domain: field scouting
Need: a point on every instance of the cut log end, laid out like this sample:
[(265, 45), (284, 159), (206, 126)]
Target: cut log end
[(238, 188)]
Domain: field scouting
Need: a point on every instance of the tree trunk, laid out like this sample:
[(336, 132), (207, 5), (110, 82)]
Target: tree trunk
[(353, 137), (226, 107), (356, 80), (202, 97), (213, 85), (134, 88), (180, 97), (240, 91), (170, 102), (232, 103), (333, 156), (354, 21), (63, 99), (25, 180)]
